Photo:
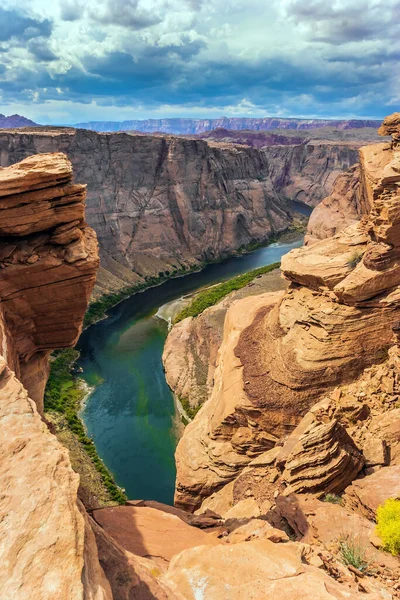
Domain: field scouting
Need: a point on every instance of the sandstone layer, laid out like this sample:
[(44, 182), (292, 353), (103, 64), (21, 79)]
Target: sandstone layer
[(160, 203), (281, 353), (48, 259), (191, 349), (337, 211), (46, 278)]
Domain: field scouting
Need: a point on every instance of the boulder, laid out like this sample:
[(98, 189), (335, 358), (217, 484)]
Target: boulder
[(149, 532), (324, 460), (365, 495)]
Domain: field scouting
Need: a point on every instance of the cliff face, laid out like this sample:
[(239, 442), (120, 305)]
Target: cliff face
[(190, 126), (48, 263), (306, 173), (157, 203), (342, 208), (281, 352), (48, 267)]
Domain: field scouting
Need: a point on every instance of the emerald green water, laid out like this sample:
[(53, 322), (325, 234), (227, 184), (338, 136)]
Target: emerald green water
[(130, 414)]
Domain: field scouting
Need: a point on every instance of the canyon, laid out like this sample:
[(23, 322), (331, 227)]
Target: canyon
[(162, 204), (300, 399)]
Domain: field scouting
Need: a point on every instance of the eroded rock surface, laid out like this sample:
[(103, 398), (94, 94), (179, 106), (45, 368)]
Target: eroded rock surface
[(48, 260), (46, 278), (337, 211), (280, 354)]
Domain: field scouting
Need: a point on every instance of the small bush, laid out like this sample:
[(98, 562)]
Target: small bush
[(355, 259), (332, 498), (191, 411), (353, 552), (388, 527)]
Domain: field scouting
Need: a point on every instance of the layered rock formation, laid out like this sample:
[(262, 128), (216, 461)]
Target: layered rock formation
[(337, 211), (191, 349), (281, 353), (190, 126), (48, 259), (49, 547), (48, 268), (159, 203)]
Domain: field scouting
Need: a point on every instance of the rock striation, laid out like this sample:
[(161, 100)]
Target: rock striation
[(48, 261), (337, 211), (281, 353), (48, 267), (49, 546)]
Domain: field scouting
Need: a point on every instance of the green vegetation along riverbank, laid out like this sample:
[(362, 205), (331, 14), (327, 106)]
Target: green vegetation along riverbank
[(214, 294), (62, 401)]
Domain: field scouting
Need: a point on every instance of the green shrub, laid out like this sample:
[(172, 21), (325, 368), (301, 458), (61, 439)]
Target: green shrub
[(355, 259), (353, 552), (212, 295), (191, 411), (332, 498), (388, 527)]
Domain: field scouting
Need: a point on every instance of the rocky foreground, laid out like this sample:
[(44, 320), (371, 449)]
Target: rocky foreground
[(302, 402)]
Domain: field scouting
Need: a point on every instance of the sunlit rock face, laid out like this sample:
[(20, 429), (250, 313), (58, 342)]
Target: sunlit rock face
[(48, 259), (48, 263), (280, 353)]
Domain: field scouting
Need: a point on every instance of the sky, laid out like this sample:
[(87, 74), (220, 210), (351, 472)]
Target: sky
[(68, 61)]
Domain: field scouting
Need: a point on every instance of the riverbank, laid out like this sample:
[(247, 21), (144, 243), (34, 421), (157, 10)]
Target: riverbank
[(63, 399), (97, 309)]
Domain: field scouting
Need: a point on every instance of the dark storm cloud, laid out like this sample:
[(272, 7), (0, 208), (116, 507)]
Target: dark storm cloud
[(71, 10), (41, 50), (125, 13), (359, 21), (13, 24)]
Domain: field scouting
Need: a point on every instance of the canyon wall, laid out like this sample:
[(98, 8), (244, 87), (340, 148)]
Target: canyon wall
[(161, 203), (282, 352), (190, 126), (48, 262)]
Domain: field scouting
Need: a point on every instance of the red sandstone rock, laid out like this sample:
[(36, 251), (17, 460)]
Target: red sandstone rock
[(149, 532), (48, 262), (334, 321), (256, 569), (365, 495)]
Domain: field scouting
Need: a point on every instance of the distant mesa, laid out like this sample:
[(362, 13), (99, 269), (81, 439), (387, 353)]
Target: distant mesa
[(195, 126), (14, 121)]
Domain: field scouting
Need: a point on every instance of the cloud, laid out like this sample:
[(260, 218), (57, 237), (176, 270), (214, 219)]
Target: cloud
[(125, 13), (14, 24), (284, 57), (340, 22)]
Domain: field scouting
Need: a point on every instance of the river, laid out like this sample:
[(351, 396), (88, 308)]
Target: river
[(130, 414)]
